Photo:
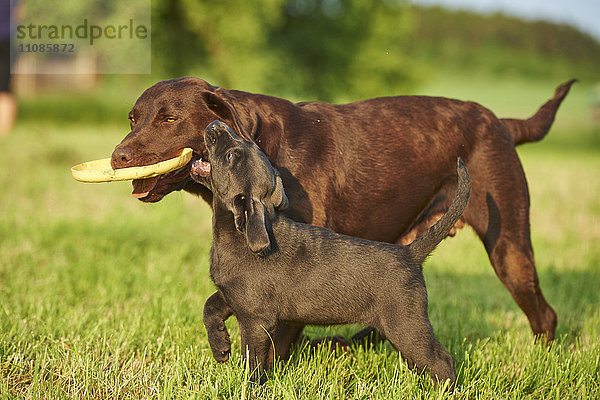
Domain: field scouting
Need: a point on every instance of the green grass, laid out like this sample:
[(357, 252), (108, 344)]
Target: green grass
[(101, 296)]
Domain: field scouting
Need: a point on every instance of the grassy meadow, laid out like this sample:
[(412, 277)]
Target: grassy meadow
[(101, 295)]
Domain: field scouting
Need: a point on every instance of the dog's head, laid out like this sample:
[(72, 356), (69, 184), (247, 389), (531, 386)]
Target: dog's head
[(242, 180), (166, 119)]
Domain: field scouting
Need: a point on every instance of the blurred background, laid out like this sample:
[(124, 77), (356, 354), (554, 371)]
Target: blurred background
[(101, 293), (336, 51)]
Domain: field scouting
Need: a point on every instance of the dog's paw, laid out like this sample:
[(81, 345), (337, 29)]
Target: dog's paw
[(332, 342), (220, 344), (257, 379), (221, 356)]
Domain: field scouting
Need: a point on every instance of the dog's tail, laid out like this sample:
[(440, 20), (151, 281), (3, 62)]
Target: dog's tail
[(536, 127), (422, 246)]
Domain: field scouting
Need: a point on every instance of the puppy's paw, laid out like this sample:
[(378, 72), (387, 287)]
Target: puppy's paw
[(257, 379), (220, 344)]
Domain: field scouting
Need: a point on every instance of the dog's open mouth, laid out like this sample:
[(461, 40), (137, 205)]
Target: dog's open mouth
[(142, 187), (155, 188)]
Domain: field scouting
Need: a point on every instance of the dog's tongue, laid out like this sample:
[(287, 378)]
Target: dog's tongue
[(142, 187), (201, 168)]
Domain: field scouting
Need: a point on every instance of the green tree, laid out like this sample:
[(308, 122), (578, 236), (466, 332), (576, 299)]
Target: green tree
[(333, 49), (310, 49), (234, 35)]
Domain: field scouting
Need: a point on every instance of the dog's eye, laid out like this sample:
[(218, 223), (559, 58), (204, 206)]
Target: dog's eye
[(169, 119), (239, 201), (131, 119), (229, 156)]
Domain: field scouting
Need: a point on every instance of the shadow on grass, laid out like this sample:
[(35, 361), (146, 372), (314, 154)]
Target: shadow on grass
[(472, 308)]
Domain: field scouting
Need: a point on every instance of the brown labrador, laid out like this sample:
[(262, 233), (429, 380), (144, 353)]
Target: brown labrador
[(381, 169)]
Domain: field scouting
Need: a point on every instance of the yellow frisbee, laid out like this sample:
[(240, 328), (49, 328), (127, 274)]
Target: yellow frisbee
[(101, 170)]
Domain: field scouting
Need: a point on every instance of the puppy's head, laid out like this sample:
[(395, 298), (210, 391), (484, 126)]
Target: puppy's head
[(243, 180)]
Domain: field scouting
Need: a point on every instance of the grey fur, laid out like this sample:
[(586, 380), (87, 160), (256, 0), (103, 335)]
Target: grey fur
[(269, 269)]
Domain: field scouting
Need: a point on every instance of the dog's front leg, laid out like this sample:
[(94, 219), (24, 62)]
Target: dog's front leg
[(256, 343), (216, 312)]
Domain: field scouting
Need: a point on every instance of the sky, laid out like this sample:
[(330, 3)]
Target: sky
[(583, 14)]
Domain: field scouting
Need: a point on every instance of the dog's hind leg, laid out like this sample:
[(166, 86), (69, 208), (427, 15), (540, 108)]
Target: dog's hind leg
[(412, 335), (513, 262), (499, 213)]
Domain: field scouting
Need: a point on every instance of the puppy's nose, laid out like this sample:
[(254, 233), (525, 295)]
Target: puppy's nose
[(121, 157), (212, 131), (215, 126)]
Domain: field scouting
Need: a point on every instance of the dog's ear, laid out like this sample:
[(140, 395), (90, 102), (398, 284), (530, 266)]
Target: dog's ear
[(257, 236), (224, 109), (278, 198), (249, 217)]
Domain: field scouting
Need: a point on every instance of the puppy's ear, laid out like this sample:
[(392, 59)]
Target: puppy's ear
[(257, 236), (249, 217), (278, 198)]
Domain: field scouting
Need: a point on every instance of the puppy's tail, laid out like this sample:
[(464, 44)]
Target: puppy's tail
[(536, 127), (422, 246)]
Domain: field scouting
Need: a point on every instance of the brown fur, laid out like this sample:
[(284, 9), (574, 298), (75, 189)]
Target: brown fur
[(380, 169)]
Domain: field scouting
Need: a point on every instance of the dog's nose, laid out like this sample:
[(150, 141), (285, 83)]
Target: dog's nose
[(212, 131), (215, 126), (121, 157)]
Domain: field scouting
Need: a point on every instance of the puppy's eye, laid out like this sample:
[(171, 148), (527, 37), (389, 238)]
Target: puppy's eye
[(131, 119), (229, 156), (169, 119), (239, 201)]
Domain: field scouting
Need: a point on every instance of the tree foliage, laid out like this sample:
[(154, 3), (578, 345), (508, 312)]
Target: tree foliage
[(352, 49), (337, 50), (313, 49), (500, 44), (341, 50)]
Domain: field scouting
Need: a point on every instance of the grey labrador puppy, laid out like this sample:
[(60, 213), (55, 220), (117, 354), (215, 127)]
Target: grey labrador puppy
[(272, 270)]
